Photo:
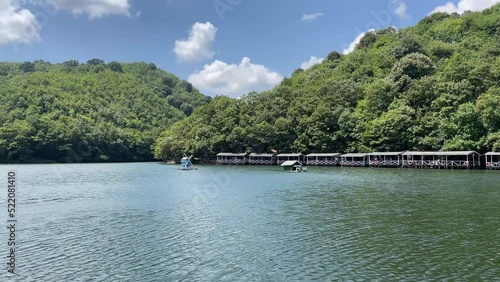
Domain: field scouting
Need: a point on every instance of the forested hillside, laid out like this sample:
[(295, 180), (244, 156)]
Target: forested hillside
[(74, 112), (435, 86)]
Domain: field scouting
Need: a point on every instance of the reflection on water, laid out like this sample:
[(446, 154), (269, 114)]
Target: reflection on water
[(150, 222)]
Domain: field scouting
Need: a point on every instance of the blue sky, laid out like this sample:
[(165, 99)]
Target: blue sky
[(223, 46)]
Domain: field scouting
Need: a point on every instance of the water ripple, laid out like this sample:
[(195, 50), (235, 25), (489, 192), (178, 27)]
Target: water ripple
[(139, 222)]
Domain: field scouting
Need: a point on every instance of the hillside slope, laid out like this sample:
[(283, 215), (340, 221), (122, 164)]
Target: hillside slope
[(434, 86), (74, 112)]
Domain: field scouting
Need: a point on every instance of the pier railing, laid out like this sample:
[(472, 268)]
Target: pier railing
[(232, 162), (493, 165), (441, 164), (407, 159), (261, 162), (353, 163), (390, 163), (322, 163)]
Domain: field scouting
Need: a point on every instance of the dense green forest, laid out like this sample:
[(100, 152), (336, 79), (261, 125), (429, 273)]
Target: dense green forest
[(90, 112), (434, 86)]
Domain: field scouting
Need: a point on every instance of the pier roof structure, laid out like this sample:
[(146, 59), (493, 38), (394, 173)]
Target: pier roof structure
[(450, 153)]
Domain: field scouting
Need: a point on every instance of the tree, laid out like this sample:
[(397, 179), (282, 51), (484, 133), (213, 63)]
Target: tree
[(391, 131), (441, 50), (27, 67), (488, 107), (408, 45), (297, 71), (493, 142), (69, 66), (334, 56), (414, 65), (15, 139), (379, 96), (69, 113), (421, 93), (368, 39), (115, 66), (95, 62), (185, 85), (464, 130)]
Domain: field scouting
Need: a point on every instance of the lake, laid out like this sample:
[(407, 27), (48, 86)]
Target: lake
[(150, 222)]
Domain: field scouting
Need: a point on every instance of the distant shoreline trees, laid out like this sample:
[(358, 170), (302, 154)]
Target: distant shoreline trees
[(91, 112), (434, 86)]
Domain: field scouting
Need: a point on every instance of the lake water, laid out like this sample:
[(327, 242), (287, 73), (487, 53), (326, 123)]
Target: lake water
[(150, 222)]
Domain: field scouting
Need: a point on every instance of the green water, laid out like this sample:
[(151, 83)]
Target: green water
[(150, 222)]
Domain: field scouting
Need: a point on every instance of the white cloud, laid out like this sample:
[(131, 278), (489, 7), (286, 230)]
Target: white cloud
[(94, 8), (220, 78), (402, 11), (21, 26), (465, 5), (356, 42), (199, 44), (312, 61), (311, 17), (16, 24)]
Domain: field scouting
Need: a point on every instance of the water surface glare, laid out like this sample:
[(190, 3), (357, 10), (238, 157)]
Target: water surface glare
[(150, 222)]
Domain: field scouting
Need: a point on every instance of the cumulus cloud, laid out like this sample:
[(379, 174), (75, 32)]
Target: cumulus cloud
[(220, 78), (465, 5), (311, 17), (356, 42), (402, 11), (16, 24), (94, 8), (199, 44), (312, 61)]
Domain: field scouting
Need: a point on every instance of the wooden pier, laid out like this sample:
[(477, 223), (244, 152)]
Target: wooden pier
[(281, 158), (493, 160), (385, 159), (232, 159), (408, 159), (354, 160), (442, 160), (261, 159), (323, 159)]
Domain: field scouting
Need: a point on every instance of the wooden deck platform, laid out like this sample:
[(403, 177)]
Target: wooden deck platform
[(385, 159), (261, 159), (323, 159), (493, 160), (354, 160), (442, 160), (232, 159), (281, 158)]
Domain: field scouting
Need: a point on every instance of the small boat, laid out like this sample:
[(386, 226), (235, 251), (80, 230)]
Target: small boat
[(186, 164), (293, 166)]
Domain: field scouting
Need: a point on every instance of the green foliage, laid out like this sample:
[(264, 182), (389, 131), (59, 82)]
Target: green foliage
[(27, 67), (464, 130), (95, 62), (368, 39), (73, 112), (115, 66), (391, 131), (414, 66), (408, 45), (488, 107), (434, 86)]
